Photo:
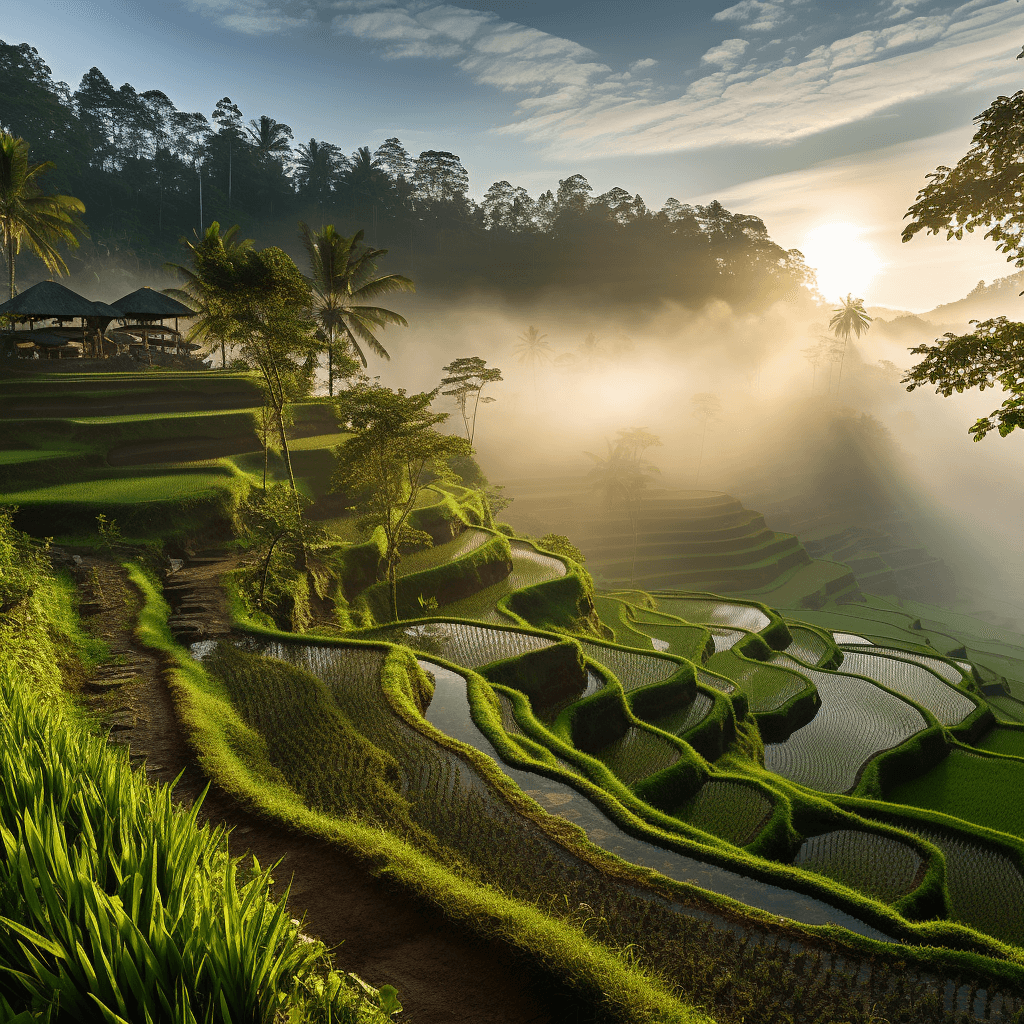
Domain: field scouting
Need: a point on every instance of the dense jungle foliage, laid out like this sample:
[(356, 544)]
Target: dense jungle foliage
[(149, 173)]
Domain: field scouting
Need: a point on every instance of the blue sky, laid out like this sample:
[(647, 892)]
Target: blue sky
[(800, 111)]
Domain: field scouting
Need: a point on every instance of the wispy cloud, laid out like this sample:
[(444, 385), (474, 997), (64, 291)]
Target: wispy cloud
[(726, 55), (818, 78), (756, 15)]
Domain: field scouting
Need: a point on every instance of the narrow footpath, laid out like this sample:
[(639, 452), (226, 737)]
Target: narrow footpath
[(443, 974)]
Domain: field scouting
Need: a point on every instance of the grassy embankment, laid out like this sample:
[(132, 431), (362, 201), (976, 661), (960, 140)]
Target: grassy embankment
[(117, 906)]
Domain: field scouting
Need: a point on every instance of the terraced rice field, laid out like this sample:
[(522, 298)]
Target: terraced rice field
[(731, 810), (637, 754), (914, 681), (632, 668), (978, 788), (682, 720), (877, 865), (767, 686), (1003, 740), (725, 639), (807, 646), (856, 721), (472, 646), (529, 567), (709, 612), (986, 888), (440, 554), (716, 682), (123, 490)]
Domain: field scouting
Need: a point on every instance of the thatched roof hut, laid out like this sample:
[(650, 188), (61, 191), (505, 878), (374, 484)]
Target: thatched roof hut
[(147, 304), (51, 301)]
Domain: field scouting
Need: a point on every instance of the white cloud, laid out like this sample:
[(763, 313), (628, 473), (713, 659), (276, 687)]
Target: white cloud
[(727, 54), (833, 85), (755, 15), (643, 65)]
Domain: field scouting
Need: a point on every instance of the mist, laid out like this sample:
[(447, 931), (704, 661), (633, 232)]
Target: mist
[(863, 453)]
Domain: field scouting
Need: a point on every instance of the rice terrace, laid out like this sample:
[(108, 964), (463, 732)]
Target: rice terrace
[(363, 658)]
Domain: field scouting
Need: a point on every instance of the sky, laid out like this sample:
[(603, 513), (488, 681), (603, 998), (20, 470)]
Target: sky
[(820, 116)]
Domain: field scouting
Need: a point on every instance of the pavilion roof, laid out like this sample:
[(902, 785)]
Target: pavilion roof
[(146, 303), (51, 300)]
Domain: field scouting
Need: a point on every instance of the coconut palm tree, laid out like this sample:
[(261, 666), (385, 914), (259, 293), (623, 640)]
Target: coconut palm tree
[(623, 475), (271, 138), (849, 318), (28, 216), (196, 292), (531, 350), (342, 276)]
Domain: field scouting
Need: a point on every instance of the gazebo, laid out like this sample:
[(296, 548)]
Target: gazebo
[(149, 309), (51, 301)]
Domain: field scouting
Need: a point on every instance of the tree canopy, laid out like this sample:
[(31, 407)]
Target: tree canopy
[(382, 466), (982, 191), (149, 174)]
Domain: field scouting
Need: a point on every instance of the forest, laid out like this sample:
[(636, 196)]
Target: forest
[(150, 174)]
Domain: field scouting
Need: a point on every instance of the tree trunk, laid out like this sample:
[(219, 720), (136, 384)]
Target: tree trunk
[(10, 262)]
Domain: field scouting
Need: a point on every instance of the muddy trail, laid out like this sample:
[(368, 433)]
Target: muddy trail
[(444, 974)]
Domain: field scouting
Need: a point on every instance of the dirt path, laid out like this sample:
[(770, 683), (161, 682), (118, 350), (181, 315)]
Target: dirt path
[(443, 974)]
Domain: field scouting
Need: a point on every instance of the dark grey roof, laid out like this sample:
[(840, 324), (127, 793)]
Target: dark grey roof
[(49, 299), (145, 303)]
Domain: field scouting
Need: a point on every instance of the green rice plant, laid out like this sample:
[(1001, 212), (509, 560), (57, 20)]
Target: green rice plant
[(856, 721), (921, 685), (986, 888), (429, 558), (711, 612), (632, 668), (116, 906), (681, 720), (880, 866), (1003, 739), (767, 686), (637, 754), (808, 646), (716, 682), (976, 787), (125, 490), (732, 810), (467, 644), (310, 741)]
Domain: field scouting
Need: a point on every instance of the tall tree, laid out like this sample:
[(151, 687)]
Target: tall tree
[(849, 318), (197, 290), (706, 407), (393, 158), (229, 117), (623, 475), (29, 216), (531, 350), (983, 190), (316, 166), (383, 464), (466, 380), (258, 299), (343, 278), (439, 177), (270, 137)]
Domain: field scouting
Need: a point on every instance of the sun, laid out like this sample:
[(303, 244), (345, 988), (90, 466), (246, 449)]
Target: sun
[(842, 261)]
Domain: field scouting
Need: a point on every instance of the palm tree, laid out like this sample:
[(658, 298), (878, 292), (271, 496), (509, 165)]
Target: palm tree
[(196, 292), (706, 406), (850, 318), (623, 475), (342, 276), (271, 138), (533, 349), (29, 216), (316, 167)]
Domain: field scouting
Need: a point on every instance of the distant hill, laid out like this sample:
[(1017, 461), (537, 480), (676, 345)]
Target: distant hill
[(1000, 298)]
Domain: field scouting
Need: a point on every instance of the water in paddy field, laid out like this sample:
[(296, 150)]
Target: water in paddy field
[(449, 712)]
